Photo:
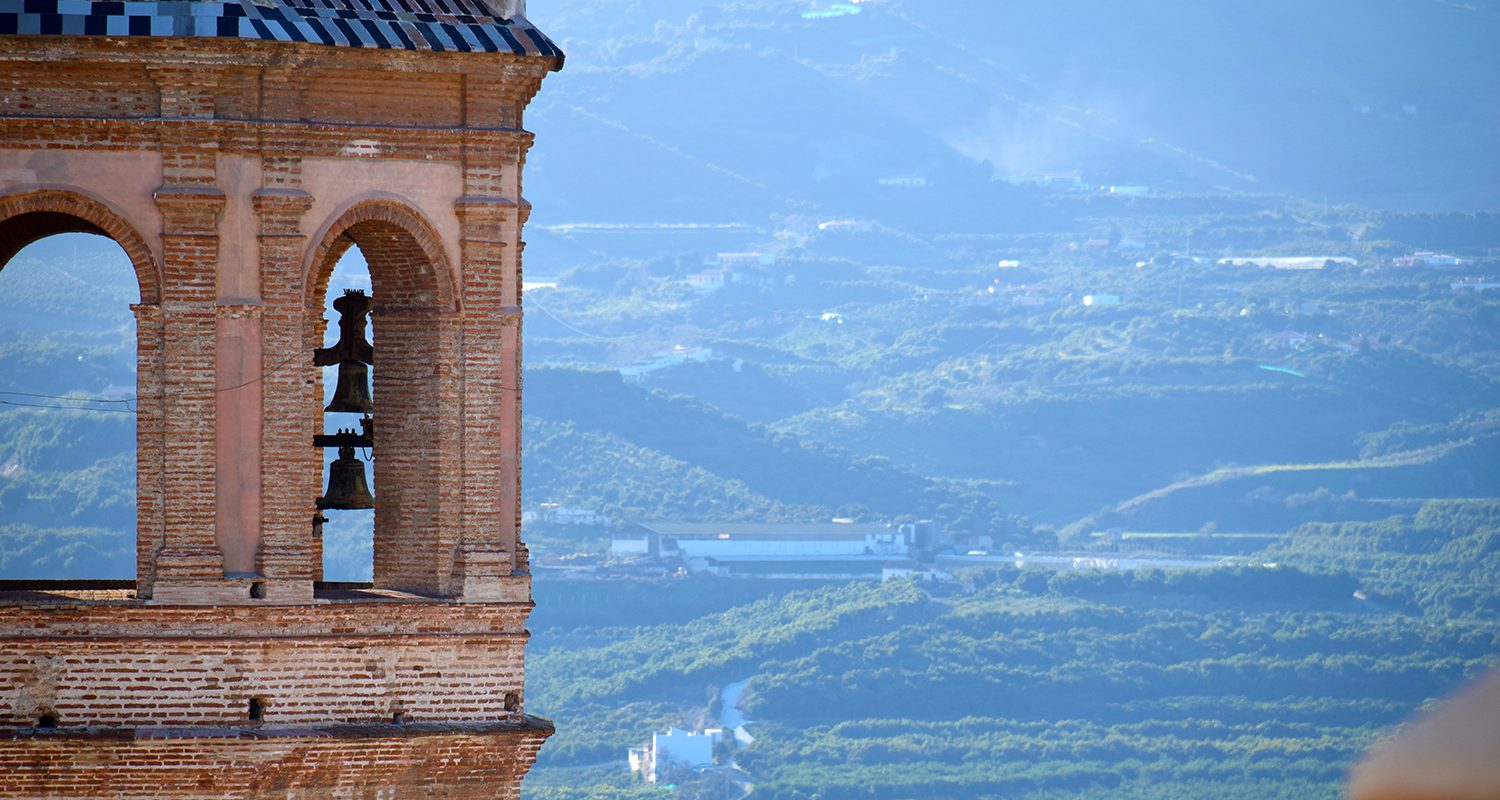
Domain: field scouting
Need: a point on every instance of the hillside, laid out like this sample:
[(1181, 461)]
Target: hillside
[(1175, 95), (1242, 683)]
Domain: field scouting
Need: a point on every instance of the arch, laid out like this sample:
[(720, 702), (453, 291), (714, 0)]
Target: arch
[(415, 303), (35, 214), (409, 268)]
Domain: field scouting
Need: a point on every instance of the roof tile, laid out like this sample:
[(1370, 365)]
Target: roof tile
[(438, 25)]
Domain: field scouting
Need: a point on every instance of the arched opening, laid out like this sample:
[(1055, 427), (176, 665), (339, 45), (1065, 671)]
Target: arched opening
[(392, 254), (68, 332), (68, 384), (348, 534)]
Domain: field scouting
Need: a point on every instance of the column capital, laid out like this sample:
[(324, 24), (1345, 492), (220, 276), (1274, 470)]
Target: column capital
[(188, 210)]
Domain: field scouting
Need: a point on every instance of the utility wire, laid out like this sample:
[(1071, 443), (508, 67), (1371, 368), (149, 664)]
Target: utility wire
[(279, 367), (125, 402), (563, 323), (66, 408), (131, 410)]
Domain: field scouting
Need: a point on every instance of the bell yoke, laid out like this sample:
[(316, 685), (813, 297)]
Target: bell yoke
[(353, 354)]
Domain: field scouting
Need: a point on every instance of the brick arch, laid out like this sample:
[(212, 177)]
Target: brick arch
[(29, 216), (409, 267)]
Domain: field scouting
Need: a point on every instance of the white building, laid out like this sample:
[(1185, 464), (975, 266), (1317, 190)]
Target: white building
[(1101, 299), (733, 261), (707, 281), (1286, 340), (1290, 262), (677, 748), (565, 515), (1475, 285), (770, 550), (637, 372), (1429, 259), (637, 542)]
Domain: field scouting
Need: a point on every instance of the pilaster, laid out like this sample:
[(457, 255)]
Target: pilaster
[(490, 429), (150, 447), (290, 556), (190, 242)]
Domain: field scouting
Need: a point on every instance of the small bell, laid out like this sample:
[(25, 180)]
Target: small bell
[(352, 392), (347, 488)]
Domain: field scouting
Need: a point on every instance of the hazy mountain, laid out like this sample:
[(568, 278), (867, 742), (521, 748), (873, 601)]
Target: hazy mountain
[(735, 111)]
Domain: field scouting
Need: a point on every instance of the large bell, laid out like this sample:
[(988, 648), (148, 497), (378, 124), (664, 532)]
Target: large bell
[(352, 393), (347, 488)]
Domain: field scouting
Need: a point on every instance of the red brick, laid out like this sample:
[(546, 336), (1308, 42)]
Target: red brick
[(234, 174)]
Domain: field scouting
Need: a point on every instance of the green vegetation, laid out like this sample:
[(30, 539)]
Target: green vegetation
[(1233, 683)]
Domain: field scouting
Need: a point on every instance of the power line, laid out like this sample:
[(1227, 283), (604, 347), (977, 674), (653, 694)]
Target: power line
[(279, 367), (563, 323), (129, 408), (125, 402), (67, 408)]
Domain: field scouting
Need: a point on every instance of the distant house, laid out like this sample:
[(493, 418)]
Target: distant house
[(1290, 262), (637, 372), (1286, 340), (1130, 191), (1429, 259), (558, 514), (750, 268), (1057, 181), (1101, 299), (1474, 285), (707, 281), (732, 261), (1023, 295), (676, 749), (858, 225)]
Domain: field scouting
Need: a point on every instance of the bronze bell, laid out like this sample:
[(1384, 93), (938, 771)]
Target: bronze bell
[(352, 393), (347, 488)]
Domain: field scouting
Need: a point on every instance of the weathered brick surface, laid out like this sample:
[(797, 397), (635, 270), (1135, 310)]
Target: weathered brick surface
[(364, 762), (445, 263), (234, 174)]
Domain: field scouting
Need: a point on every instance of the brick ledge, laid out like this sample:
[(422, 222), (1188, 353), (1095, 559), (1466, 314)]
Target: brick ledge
[(525, 725)]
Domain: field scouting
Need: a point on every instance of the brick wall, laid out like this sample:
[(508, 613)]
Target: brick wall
[(449, 427), (268, 161), (374, 762), (344, 662)]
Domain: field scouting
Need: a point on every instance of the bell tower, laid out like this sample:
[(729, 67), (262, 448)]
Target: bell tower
[(235, 150)]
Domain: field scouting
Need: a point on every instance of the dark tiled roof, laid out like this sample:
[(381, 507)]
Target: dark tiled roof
[(437, 25)]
